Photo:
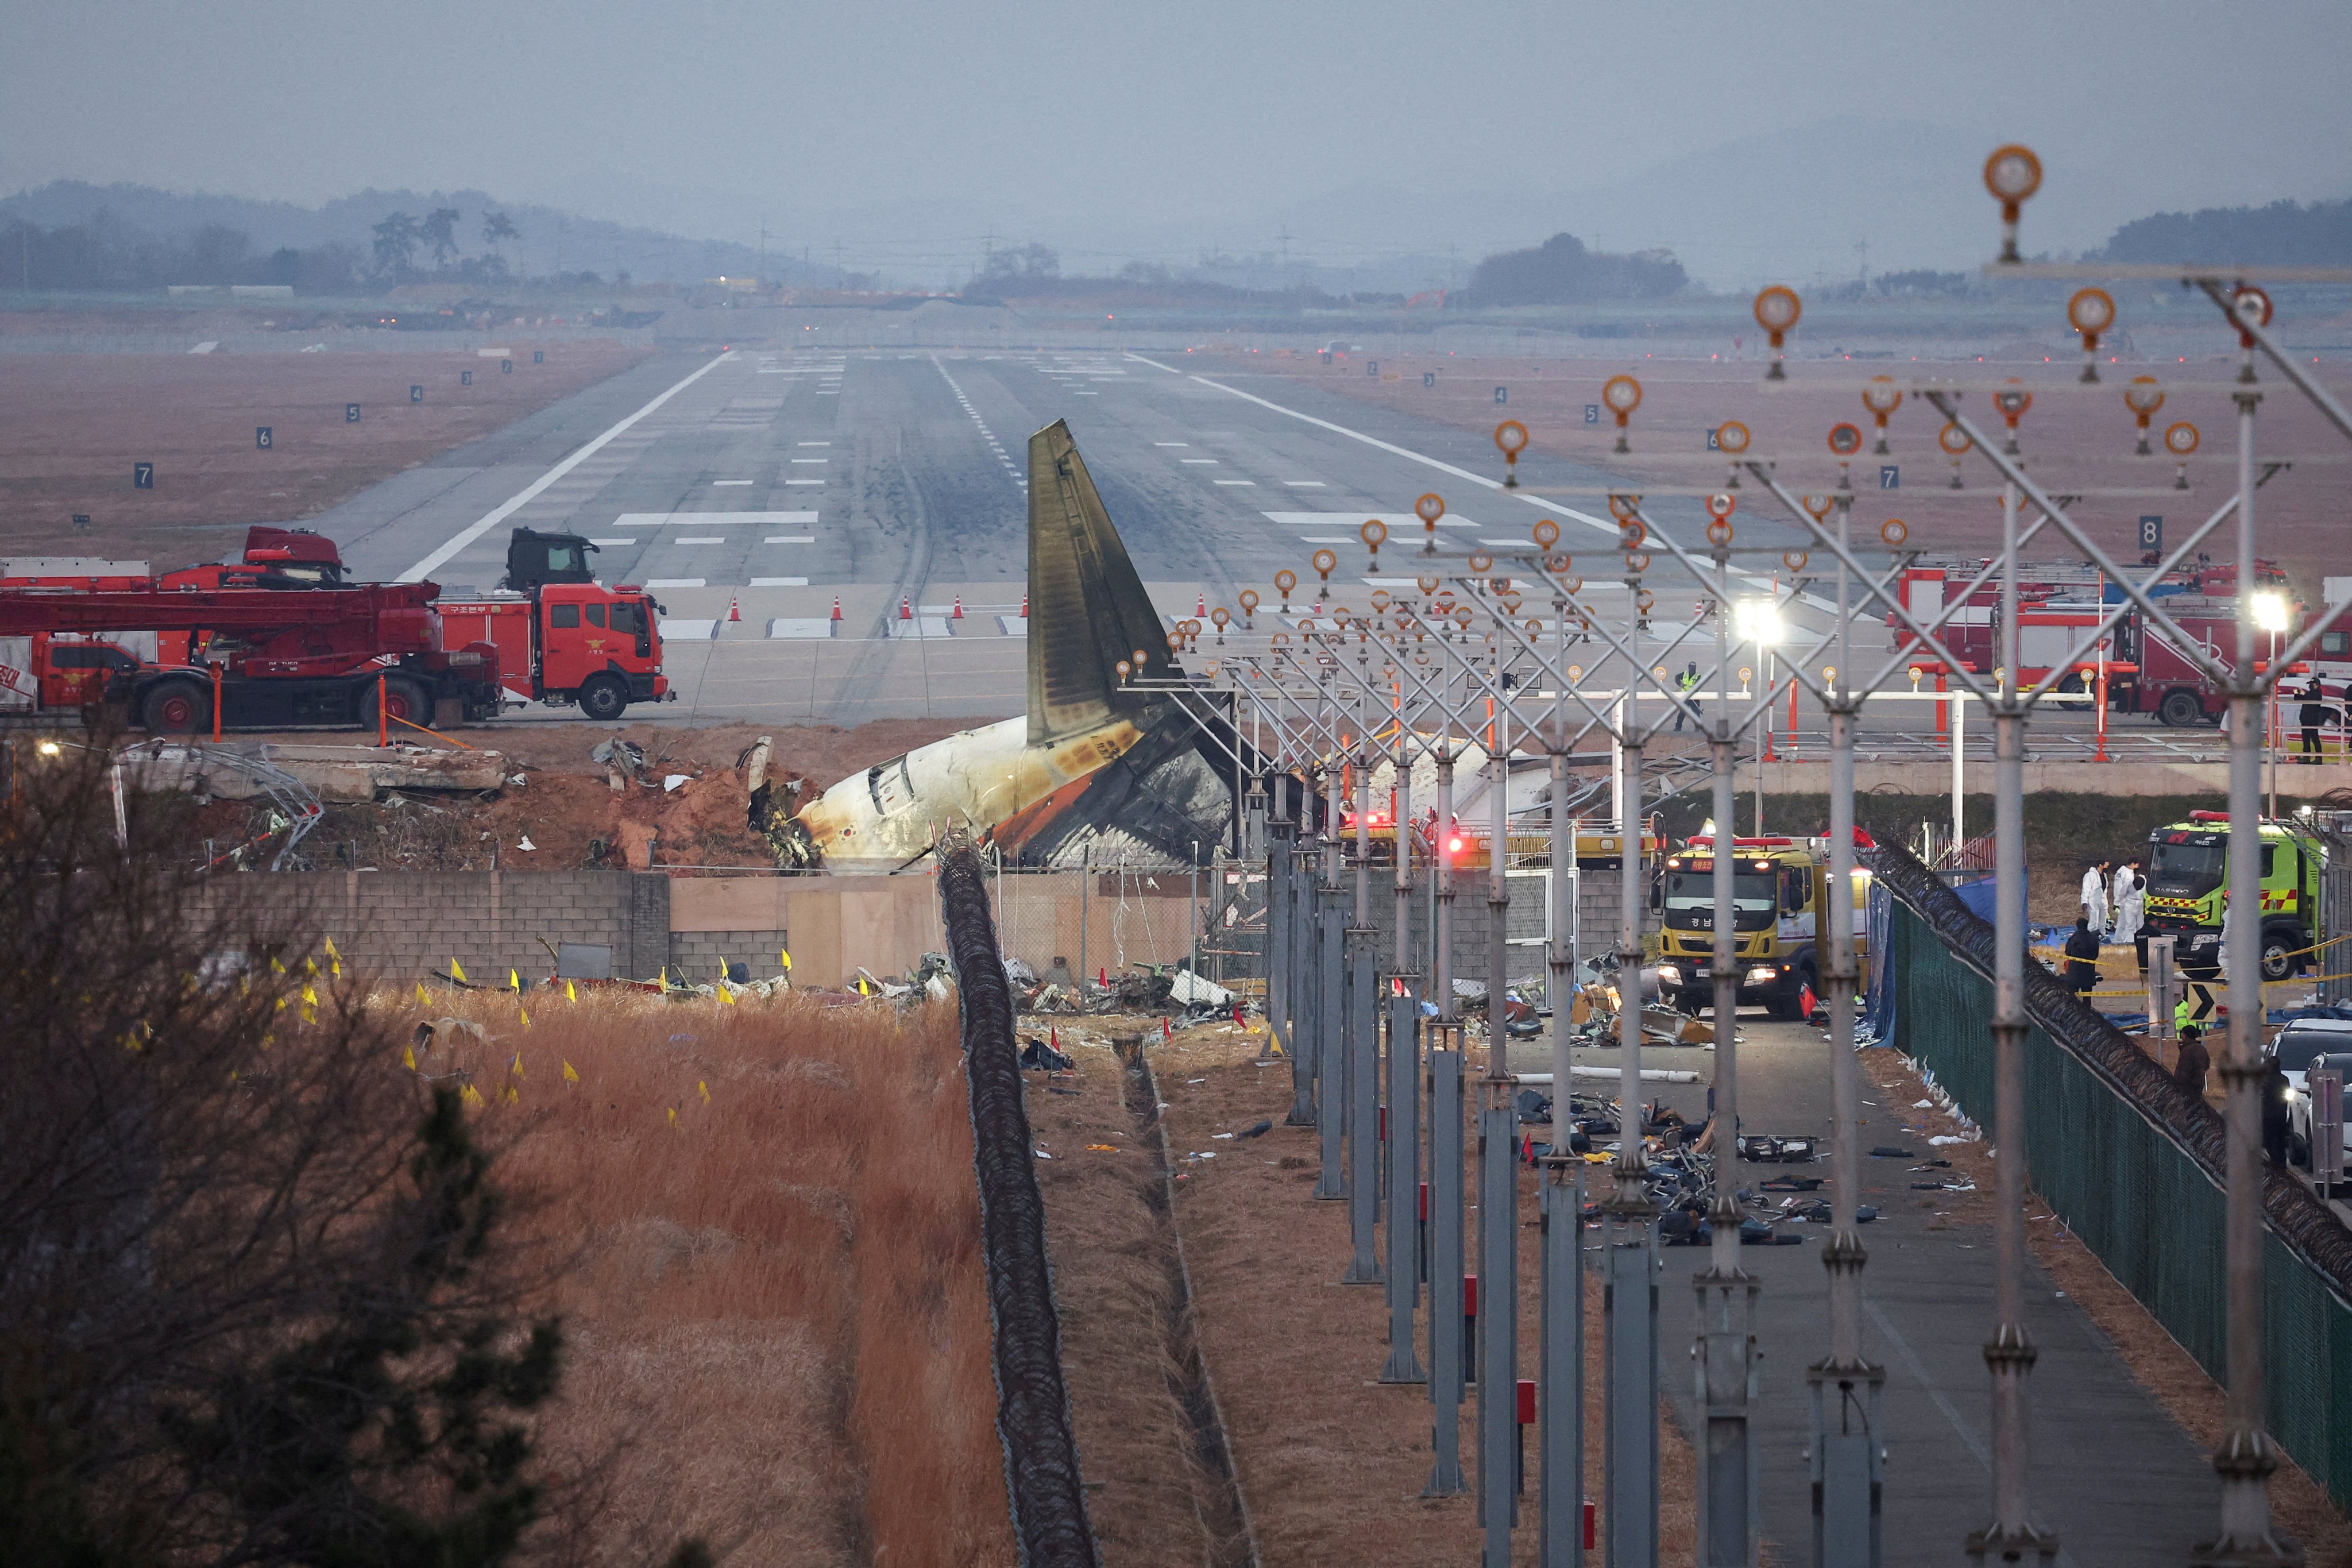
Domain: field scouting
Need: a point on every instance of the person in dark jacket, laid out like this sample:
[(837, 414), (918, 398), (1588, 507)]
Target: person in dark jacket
[(2274, 1113), (2082, 959), (2189, 1070), (2316, 715)]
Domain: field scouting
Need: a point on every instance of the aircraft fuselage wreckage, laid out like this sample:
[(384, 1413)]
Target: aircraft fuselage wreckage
[(1096, 770)]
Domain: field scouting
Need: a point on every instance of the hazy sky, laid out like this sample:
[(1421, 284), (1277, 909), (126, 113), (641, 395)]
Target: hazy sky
[(1194, 114)]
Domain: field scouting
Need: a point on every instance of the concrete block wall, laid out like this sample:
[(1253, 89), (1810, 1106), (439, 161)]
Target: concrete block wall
[(697, 956)]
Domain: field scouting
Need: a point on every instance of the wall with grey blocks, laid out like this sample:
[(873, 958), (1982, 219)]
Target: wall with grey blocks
[(697, 955), (398, 925), (1600, 919)]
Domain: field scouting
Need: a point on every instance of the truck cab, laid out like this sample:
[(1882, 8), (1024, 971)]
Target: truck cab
[(598, 647), (1779, 918), (534, 559), (2187, 864)]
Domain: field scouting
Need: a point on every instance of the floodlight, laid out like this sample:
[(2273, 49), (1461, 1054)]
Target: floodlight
[(2269, 610), (1758, 620)]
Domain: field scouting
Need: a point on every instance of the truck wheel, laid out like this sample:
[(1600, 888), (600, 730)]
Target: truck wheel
[(2180, 710), (2277, 947), (603, 697), (175, 708), (403, 699)]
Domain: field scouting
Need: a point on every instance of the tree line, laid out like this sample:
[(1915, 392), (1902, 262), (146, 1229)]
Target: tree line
[(105, 255)]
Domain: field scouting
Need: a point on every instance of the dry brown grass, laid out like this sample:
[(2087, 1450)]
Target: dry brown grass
[(778, 1321)]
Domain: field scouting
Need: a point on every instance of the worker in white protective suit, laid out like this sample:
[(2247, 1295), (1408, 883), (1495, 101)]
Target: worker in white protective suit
[(2095, 895), (2130, 901)]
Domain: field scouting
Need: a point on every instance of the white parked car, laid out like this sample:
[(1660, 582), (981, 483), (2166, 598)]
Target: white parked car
[(2294, 1050)]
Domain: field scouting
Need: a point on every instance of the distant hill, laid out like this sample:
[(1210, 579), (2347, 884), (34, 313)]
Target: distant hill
[(546, 240), (2284, 234)]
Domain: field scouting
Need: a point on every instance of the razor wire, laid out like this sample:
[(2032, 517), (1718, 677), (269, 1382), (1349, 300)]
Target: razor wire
[(1033, 1404)]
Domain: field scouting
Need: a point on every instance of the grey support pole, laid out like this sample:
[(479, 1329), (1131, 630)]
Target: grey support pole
[(1846, 1454), (1404, 1187), (1306, 992), (1498, 1316), (1724, 1358), (1363, 1107), (1277, 941), (1441, 960), (1445, 1262), (1630, 1240), (1498, 1218), (1331, 1043), (2011, 1536), (2247, 1455), (1561, 1460)]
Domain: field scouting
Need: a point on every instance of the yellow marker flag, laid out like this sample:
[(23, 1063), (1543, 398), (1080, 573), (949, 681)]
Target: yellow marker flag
[(281, 1004), (408, 1058), (276, 967), (725, 994), (673, 1116), (469, 1096), (421, 996), (705, 1088), (310, 995), (455, 973), (569, 1076), (570, 995), (514, 980), (511, 1096), (526, 1015), (309, 965), (784, 958), (515, 1067)]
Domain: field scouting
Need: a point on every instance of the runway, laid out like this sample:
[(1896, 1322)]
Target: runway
[(754, 489)]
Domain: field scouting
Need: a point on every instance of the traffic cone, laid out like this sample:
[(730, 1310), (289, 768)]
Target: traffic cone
[(906, 609), (1203, 607), (957, 614), (1024, 606), (836, 606), (734, 608)]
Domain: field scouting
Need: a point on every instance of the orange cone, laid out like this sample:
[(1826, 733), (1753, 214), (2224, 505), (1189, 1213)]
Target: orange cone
[(836, 606), (957, 614), (906, 609), (734, 608), (1202, 608), (1024, 606)]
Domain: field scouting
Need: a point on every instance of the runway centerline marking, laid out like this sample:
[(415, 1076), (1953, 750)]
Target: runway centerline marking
[(1156, 364), (531, 491), (725, 482)]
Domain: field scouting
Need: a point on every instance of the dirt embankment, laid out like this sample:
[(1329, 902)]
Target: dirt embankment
[(72, 427)]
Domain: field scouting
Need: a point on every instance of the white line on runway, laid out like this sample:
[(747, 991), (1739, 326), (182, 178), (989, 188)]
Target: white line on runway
[(706, 518), (790, 538), (1304, 484), (780, 581), (1602, 524), (612, 541), (1171, 443), (1197, 460), (497, 515), (1011, 472), (1156, 365), (701, 539), (724, 483), (672, 583), (812, 443), (812, 459), (804, 482), (1234, 481)]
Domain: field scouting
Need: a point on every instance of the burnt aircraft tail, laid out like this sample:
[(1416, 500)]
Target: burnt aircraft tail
[(1088, 609)]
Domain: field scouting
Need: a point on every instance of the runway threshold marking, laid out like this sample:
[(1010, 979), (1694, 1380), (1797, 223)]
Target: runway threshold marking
[(524, 498)]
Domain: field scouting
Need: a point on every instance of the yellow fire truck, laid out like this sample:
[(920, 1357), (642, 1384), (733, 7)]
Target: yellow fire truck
[(1779, 914)]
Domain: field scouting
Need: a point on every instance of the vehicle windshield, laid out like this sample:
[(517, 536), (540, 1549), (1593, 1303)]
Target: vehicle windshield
[(2188, 862), (2295, 1047), (1752, 893), (628, 615)]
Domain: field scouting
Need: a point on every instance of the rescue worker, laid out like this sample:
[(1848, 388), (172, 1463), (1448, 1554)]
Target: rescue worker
[(2189, 1071), (2095, 894), (2129, 895), (2082, 959), (1687, 684)]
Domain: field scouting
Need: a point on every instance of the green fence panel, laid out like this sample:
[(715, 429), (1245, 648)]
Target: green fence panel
[(2138, 1196)]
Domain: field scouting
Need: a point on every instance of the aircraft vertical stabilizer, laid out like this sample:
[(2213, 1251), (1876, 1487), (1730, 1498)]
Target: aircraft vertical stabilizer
[(1088, 609)]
